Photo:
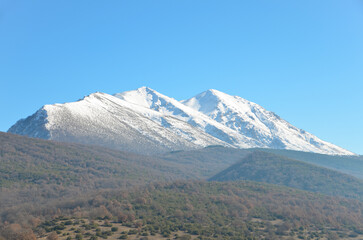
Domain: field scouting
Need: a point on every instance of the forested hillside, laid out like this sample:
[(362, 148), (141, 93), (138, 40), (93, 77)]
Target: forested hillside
[(208, 210), (271, 168), (210, 160), (32, 161), (44, 184), (34, 173), (205, 163), (352, 165)]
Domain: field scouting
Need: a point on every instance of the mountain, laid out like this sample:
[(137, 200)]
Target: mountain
[(145, 121), (253, 121), (274, 169), (150, 99), (105, 120)]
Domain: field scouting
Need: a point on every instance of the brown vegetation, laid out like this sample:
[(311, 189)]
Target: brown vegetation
[(44, 185)]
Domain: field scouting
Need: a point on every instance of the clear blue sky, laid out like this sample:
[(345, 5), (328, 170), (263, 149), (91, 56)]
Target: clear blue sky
[(301, 59)]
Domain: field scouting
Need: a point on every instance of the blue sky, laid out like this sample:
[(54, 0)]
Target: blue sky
[(301, 59)]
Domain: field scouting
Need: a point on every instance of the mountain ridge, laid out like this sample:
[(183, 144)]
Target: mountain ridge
[(149, 122), (252, 120)]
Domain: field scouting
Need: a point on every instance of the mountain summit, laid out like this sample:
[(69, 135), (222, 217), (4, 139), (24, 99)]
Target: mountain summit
[(146, 121), (253, 121)]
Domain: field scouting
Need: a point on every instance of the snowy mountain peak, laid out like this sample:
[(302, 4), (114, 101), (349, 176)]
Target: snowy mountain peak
[(215, 93), (144, 120), (210, 95), (212, 102), (145, 91), (253, 121), (144, 96), (212, 92)]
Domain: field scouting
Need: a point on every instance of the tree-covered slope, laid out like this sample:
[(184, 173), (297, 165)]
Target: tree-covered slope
[(34, 172), (205, 163), (27, 161), (275, 169), (41, 180), (209, 161), (213, 210), (32, 161), (352, 165)]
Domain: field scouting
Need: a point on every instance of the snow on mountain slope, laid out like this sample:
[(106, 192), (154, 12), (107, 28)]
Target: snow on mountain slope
[(102, 119), (146, 121), (252, 120), (151, 99)]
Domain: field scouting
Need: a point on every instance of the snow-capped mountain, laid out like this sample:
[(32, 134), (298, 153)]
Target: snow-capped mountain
[(252, 120), (146, 121), (102, 119), (150, 99)]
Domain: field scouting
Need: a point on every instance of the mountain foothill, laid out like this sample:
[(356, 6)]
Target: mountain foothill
[(141, 165)]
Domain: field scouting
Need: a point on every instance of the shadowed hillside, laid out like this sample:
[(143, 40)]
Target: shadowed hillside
[(271, 168), (206, 162), (211, 160), (352, 165)]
